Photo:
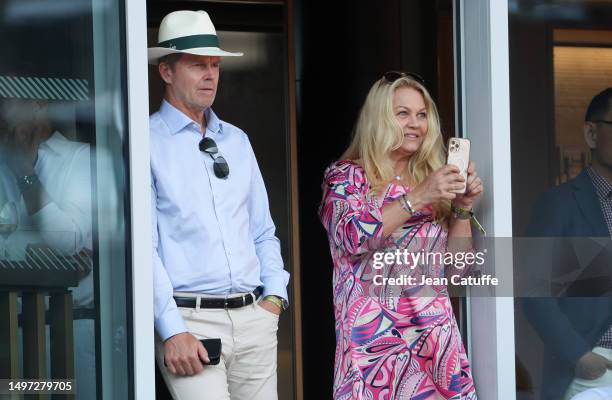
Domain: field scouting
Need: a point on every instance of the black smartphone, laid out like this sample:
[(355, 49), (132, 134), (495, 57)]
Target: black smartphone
[(213, 348)]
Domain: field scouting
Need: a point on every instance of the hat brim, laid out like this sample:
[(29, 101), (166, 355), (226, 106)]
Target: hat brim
[(154, 53)]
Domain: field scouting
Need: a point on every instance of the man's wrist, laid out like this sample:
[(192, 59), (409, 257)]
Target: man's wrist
[(278, 301), (173, 336), (19, 166), (27, 181)]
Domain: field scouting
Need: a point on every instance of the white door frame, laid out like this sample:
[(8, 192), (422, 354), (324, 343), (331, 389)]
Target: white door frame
[(140, 199), (484, 104)]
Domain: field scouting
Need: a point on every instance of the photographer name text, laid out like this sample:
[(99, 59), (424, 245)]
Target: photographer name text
[(456, 280)]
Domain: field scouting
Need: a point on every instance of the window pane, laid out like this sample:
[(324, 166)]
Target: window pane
[(63, 257), (560, 60)]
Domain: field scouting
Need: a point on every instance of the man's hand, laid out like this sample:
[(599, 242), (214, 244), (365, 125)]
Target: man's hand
[(20, 151), (592, 366), (269, 306), (184, 354)]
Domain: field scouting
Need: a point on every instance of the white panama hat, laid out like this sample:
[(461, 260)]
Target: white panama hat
[(189, 32)]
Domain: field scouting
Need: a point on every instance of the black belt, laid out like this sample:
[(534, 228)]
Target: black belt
[(233, 302)]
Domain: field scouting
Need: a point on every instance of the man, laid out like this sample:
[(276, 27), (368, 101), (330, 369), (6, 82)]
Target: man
[(576, 324), (51, 174), (48, 179), (218, 272)]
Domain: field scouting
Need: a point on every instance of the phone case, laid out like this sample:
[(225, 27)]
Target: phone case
[(459, 155), (213, 348)]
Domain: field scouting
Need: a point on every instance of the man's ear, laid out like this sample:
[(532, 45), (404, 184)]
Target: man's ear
[(590, 134), (36, 111), (165, 72)]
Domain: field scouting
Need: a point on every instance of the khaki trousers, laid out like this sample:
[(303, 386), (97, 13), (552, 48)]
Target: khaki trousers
[(583, 385), (247, 370)]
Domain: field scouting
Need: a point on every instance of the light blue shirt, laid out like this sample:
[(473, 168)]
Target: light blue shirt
[(210, 235)]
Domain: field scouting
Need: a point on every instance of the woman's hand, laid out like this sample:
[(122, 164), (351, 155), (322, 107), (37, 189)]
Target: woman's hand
[(474, 189), (438, 186)]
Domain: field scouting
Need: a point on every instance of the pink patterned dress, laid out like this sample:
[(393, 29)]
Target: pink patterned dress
[(392, 343)]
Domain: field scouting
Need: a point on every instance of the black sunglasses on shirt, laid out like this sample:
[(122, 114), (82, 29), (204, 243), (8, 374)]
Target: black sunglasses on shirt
[(220, 166)]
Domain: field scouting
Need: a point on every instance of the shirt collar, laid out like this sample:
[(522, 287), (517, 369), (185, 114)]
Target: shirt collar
[(54, 143), (212, 121), (602, 186), (176, 120)]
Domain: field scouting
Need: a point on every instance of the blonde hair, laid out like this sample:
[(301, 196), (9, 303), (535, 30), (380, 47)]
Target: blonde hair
[(377, 133)]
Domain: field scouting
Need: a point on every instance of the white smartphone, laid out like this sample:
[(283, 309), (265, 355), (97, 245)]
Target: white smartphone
[(459, 155)]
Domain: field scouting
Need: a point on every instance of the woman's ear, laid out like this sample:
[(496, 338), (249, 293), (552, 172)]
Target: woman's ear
[(590, 134)]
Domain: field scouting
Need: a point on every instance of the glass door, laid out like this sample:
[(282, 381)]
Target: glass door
[(65, 259), (560, 78)]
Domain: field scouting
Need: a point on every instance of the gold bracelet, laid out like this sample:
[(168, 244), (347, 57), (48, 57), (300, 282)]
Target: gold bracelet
[(275, 300)]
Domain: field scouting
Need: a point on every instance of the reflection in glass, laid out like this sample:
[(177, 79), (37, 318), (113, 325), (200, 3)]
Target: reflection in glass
[(576, 79), (47, 180), (63, 268), (560, 67), (8, 219)]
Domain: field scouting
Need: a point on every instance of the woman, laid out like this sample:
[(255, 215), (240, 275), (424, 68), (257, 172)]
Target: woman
[(390, 191)]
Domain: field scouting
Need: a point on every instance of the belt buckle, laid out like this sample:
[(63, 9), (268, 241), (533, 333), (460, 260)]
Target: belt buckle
[(225, 303), (244, 300)]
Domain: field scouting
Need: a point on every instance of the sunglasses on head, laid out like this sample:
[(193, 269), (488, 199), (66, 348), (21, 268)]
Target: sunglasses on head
[(392, 76), (220, 167)]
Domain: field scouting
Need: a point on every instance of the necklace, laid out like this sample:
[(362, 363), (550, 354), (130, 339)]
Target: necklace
[(398, 177)]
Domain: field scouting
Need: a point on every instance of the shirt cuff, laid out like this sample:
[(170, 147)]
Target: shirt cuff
[(276, 287), (170, 324)]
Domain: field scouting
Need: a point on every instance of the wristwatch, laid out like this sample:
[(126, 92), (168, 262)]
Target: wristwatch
[(462, 213), (279, 301), (26, 181)]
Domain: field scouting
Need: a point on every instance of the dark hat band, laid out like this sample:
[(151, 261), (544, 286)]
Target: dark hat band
[(190, 42)]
